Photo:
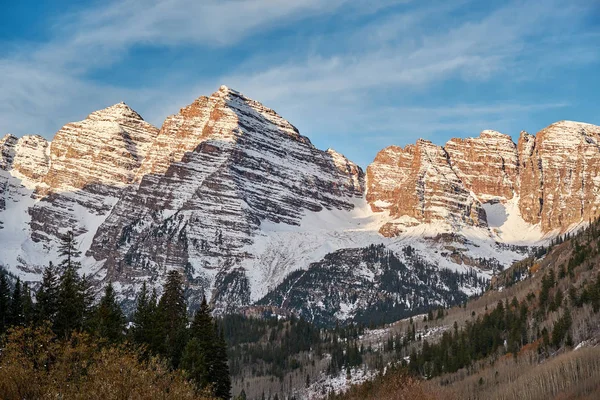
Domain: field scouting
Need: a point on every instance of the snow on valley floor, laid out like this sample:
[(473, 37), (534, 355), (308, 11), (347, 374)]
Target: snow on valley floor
[(375, 339)]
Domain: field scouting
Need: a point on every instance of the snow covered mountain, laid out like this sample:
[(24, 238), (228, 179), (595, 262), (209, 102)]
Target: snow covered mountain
[(231, 194)]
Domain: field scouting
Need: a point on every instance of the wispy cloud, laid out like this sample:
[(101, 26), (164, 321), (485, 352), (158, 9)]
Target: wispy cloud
[(398, 53), (366, 72)]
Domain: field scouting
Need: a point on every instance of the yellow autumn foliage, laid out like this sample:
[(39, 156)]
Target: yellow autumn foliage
[(34, 364)]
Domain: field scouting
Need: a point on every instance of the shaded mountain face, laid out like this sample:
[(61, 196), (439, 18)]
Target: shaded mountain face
[(234, 165), (371, 285), (232, 195)]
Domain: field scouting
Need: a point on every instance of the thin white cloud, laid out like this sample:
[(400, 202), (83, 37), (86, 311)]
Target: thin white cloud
[(333, 83), (471, 50)]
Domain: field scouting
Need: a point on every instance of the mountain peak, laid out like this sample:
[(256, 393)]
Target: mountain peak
[(489, 133), (226, 91), (116, 111), (9, 137)]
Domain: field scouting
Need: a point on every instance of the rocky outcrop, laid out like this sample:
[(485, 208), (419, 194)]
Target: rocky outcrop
[(89, 163), (7, 155), (423, 186), (32, 159), (531, 179), (562, 178), (486, 165), (106, 148), (7, 151), (553, 175)]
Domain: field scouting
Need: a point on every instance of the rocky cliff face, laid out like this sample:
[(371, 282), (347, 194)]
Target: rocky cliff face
[(106, 149), (423, 186), (88, 164), (486, 165), (562, 177), (192, 195), (232, 195), (552, 176)]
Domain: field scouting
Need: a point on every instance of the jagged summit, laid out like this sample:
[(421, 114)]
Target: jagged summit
[(115, 112), (223, 89), (490, 133)]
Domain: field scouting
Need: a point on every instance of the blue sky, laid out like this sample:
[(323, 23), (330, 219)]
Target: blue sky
[(354, 75)]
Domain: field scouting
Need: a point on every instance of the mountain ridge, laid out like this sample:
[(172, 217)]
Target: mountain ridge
[(230, 193)]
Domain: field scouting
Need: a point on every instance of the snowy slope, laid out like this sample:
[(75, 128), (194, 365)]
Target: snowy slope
[(231, 194)]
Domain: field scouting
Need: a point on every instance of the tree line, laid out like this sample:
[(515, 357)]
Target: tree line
[(160, 326)]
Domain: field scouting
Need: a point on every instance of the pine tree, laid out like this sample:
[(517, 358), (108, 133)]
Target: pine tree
[(210, 345), (172, 317), (200, 349), (86, 290), (142, 321), (220, 368), (47, 296), (109, 321), (74, 296), (4, 303), (68, 251), (194, 362), (28, 307), (202, 325), (70, 304), (16, 316)]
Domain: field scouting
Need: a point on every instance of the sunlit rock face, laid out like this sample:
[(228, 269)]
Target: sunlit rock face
[(420, 183), (561, 175), (487, 165), (553, 176), (190, 196)]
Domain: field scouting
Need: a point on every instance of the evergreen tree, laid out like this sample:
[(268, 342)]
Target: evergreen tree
[(68, 251), (86, 290), (28, 308), (194, 362), (209, 344), (144, 329), (47, 296), (70, 304), (109, 321), (172, 317), (155, 332), (4, 303), (74, 297), (200, 349), (220, 368), (16, 316)]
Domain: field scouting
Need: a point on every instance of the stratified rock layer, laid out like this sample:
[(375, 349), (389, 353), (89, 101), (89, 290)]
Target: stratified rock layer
[(487, 165), (562, 178), (419, 182), (215, 171), (554, 175)]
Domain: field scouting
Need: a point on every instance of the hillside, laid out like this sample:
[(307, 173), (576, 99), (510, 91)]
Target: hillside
[(533, 335)]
